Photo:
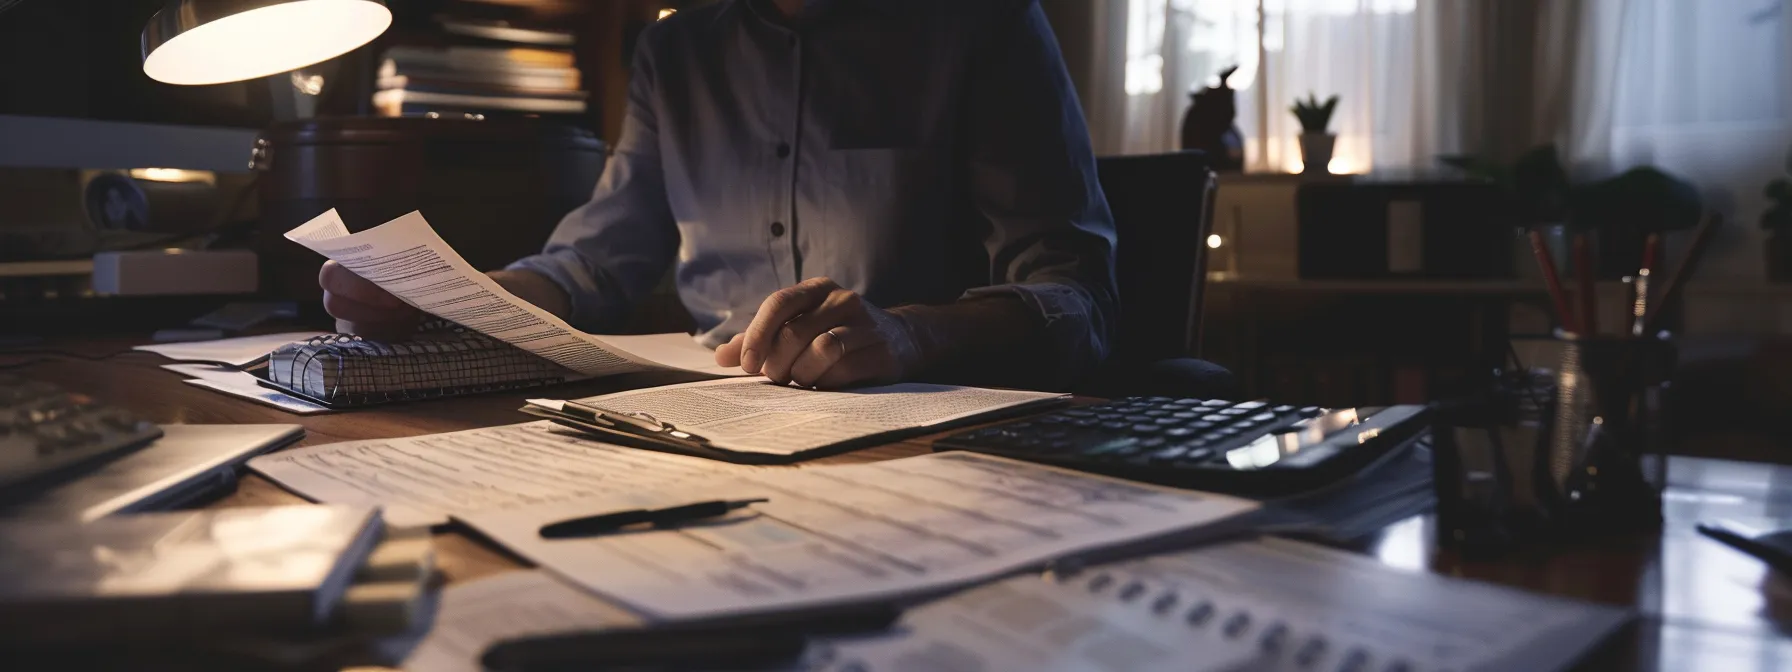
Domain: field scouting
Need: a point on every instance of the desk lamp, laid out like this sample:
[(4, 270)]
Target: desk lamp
[(217, 41)]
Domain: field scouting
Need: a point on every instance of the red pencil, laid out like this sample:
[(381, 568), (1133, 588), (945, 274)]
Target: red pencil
[(1583, 273), (1651, 251), (1564, 311), (1638, 312)]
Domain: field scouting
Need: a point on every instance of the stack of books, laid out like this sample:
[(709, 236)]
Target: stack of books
[(487, 69)]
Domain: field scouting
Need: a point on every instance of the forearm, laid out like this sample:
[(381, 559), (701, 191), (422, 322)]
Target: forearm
[(536, 289)]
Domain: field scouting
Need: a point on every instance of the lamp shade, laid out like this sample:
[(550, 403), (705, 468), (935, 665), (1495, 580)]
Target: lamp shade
[(217, 41)]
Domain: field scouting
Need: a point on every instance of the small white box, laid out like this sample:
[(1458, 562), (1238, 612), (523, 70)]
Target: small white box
[(175, 272)]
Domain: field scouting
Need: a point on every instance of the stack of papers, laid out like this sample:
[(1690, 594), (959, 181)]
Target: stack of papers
[(832, 535), (1266, 604), (1260, 605), (421, 480), (763, 418), (217, 365)]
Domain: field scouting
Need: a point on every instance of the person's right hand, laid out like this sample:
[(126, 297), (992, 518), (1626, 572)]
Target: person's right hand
[(362, 308)]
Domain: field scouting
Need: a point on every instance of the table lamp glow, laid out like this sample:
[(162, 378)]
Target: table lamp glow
[(218, 41)]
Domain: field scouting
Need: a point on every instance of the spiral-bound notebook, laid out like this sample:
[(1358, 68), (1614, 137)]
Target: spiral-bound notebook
[(341, 371)]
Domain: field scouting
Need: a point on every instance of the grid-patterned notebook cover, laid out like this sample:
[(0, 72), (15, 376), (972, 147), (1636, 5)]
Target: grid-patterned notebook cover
[(339, 370)]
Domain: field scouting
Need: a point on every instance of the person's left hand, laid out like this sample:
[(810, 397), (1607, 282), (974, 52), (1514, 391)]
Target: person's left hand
[(818, 334)]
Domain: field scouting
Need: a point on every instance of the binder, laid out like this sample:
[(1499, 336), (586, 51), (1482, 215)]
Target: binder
[(342, 371)]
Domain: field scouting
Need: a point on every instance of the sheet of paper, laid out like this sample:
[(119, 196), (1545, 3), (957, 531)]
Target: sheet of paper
[(764, 417), (841, 533), (1029, 623), (1354, 602), (253, 392), (420, 480), (407, 258), (1290, 606), (213, 372), (231, 351), (679, 351), (475, 615)]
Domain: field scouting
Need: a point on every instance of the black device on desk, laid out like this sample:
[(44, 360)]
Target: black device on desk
[(1251, 447), (46, 431)]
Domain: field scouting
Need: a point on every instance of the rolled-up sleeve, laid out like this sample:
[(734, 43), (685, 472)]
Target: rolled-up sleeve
[(1032, 173), (610, 252)]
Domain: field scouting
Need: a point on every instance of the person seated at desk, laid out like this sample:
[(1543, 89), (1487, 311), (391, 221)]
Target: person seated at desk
[(853, 191)]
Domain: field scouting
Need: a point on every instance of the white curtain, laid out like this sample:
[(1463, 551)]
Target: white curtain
[(1396, 65), (1698, 88)]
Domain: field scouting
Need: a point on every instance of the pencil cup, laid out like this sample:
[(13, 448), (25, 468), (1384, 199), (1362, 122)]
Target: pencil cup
[(1602, 457)]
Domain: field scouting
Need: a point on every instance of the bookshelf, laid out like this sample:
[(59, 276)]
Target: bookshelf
[(565, 60)]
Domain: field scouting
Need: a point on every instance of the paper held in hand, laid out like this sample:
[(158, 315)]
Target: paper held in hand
[(407, 258)]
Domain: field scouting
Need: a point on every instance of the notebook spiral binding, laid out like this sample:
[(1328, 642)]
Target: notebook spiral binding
[(443, 360)]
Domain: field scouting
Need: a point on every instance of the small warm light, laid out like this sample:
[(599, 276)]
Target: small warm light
[(309, 85), (1213, 241), (263, 41), (174, 175), (667, 12)]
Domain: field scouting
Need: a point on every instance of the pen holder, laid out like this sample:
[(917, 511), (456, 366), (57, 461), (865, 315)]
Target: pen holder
[(1601, 463)]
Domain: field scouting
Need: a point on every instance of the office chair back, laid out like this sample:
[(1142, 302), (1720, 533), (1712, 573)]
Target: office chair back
[(1163, 212)]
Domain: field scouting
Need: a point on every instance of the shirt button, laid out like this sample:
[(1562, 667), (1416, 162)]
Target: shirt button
[(783, 150), (777, 229)]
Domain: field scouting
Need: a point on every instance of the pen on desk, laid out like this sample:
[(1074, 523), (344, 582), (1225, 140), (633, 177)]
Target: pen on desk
[(1677, 278), (1583, 272), (1552, 281), (587, 526)]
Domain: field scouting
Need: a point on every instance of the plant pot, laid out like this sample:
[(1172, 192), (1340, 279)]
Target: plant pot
[(1779, 257), (1316, 152)]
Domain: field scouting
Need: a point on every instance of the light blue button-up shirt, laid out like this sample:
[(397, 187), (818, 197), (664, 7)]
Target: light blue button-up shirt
[(914, 151)]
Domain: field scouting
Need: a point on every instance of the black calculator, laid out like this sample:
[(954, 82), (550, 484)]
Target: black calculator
[(1250, 448)]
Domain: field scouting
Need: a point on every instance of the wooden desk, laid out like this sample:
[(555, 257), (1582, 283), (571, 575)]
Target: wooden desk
[(1705, 606)]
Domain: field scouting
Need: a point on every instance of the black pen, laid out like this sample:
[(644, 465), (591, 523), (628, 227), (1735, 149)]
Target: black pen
[(602, 523)]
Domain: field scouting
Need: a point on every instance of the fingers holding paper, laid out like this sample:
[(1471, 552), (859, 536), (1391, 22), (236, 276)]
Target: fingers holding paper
[(818, 334), (363, 308)]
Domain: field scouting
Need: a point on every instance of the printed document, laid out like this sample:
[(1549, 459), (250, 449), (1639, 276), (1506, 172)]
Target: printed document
[(476, 615), (760, 416), (1033, 623), (420, 480), (679, 351), (846, 533), (1284, 605), (236, 352), (407, 258), (229, 380)]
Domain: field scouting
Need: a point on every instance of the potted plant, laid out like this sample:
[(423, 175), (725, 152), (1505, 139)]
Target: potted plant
[(1778, 223), (1315, 142)]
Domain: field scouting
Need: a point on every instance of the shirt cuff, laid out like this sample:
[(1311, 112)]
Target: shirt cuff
[(1065, 312), (590, 309)]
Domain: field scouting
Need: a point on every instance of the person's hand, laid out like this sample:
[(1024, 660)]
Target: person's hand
[(818, 334), (362, 308)]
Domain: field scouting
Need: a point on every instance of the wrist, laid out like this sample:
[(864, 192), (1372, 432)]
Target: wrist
[(925, 348), (537, 289)]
